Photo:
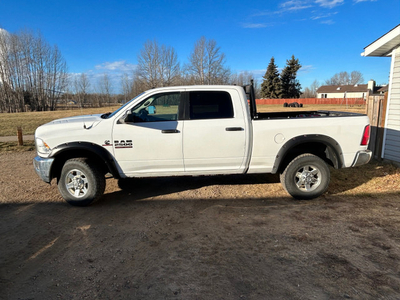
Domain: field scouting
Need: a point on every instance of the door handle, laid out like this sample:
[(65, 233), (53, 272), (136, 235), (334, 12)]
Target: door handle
[(170, 131), (234, 129)]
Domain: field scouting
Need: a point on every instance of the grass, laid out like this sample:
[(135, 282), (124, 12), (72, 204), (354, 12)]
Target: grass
[(29, 121), (13, 146), (375, 178)]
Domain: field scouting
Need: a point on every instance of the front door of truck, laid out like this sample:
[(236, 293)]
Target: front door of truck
[(150, 140)]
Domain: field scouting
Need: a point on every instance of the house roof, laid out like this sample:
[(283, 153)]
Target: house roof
[(385, 44), (343, 88)]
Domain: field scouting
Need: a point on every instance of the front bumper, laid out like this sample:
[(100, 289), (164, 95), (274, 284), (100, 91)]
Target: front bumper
[(362, 158), (43, 167)]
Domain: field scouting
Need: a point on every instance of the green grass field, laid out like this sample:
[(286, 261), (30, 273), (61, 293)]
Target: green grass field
[(29, 121)]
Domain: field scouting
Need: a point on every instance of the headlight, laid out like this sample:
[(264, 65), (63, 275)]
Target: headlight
[(42, 147)]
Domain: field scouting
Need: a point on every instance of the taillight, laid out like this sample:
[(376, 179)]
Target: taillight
[(365, 139)]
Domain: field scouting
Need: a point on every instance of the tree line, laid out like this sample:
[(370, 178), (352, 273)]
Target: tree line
[(32, 72), (34, 75)]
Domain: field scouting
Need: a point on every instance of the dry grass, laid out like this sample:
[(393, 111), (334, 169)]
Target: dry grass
[(29, 121), (375, 178), (13, 146)]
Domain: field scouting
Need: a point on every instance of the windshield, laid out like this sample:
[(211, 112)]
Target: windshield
[(123, 106)]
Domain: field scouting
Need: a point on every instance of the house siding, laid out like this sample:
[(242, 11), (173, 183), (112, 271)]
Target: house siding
[(392, 136), (341, 95)]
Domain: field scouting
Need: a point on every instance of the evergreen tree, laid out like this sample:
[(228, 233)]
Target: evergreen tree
[(290, 85), (271, 86)]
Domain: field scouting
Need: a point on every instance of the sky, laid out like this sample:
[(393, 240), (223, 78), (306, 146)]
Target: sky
[(327, 36)]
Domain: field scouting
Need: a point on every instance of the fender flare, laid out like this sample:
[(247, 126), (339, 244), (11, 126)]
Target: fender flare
[(100, 152), (333, 150)]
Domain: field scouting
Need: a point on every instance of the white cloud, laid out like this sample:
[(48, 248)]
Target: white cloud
[(358, 1), (329, 3), (293, 5), (306, 69), (328, 22), (116, 66), (255, 25)]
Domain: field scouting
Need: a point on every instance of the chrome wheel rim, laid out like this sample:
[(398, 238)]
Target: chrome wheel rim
[(308, 178), (77, 183)]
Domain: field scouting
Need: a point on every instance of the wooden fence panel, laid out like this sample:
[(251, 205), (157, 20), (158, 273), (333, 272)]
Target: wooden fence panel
[(376, 111)]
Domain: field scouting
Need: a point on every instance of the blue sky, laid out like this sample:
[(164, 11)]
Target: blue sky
[(327, 36)]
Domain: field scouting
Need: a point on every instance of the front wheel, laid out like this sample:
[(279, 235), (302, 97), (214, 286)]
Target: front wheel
[(81, 183), (306, 177)]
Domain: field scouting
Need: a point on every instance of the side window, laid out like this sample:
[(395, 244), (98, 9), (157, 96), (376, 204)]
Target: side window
[(157, 108), (210, 105)]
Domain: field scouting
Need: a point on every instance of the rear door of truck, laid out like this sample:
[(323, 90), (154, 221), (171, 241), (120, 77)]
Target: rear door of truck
[(215, 135)]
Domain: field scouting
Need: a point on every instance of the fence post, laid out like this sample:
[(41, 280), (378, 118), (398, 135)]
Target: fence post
[(19, 135)]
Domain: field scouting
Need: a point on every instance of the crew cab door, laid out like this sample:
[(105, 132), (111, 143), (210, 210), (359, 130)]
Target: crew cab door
[(149, 141), (214, 137)]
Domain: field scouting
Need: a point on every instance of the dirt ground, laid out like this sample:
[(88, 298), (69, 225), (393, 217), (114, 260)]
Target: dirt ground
[(236, 237)]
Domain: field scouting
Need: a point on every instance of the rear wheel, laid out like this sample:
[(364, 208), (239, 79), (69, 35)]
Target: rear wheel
[(306, 177), (81, 183)]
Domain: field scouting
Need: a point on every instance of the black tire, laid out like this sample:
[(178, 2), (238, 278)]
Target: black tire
[(81, 183), (301, 104), (285, 104), (306, 177)]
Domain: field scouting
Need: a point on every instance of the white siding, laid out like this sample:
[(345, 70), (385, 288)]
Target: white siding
[(341, 95), (391, 149)]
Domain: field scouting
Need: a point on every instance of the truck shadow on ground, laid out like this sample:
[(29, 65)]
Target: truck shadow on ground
[(142, 188)]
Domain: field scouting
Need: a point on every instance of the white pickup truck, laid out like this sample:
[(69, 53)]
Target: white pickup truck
[(198, 130)]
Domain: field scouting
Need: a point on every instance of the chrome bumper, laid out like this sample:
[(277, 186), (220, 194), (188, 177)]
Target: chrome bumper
[(43, 167), (362, 158)]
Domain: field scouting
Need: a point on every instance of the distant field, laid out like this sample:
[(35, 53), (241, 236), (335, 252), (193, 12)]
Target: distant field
[(31, 120)]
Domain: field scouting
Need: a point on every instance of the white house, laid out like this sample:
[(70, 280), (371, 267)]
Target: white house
[(350, 91), (388, 45)]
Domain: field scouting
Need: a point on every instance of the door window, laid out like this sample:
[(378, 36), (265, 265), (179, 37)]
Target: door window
[(157, 108), (210, 105)]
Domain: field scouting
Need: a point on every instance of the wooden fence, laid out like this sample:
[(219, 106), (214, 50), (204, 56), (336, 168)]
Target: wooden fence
[(338, 101), (376, 110)]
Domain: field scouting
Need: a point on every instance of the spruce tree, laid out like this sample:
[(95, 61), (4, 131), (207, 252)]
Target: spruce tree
[(290, 85), (271, 86)]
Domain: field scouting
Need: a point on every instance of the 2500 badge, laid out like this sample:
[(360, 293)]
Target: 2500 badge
[(123, 144)]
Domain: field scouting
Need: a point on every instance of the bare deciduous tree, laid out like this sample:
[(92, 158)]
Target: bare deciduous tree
[(157, 65), (311, 92), (104, 89), (33, 74), (344, 78), (207, 63)]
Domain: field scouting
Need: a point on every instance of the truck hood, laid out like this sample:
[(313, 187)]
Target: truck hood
[(87, 121), (67, 129)]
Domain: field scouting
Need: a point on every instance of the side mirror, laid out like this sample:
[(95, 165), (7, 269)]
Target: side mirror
[(126, 118)]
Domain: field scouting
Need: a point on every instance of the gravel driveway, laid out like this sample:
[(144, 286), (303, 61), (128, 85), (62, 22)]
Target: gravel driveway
[(194, 238)]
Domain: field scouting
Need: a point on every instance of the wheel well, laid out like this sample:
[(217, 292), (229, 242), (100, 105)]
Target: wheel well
[(93, 157), (326, 152)]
